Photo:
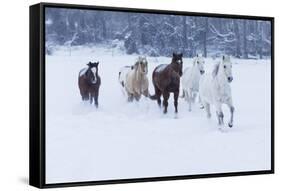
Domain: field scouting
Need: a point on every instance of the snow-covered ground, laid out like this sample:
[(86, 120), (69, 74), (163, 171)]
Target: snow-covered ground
[(122, 140)]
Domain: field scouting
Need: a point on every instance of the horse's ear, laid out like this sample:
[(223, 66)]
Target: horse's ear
[(174, 54), (197, 55), (89, 64), (97, 63), (180, 54), (215, 71)]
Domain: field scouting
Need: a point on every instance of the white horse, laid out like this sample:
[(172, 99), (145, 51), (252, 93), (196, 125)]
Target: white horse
[(214, 89), (190, 79), (136, 83), (122, 77)]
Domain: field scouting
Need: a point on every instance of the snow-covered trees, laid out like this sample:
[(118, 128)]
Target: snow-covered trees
[(158, 34)]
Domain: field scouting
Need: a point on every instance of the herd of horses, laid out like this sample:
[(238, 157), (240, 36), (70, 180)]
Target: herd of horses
[(210, 88)]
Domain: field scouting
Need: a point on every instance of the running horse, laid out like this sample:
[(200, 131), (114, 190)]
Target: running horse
[(89, 83), (166, 80)]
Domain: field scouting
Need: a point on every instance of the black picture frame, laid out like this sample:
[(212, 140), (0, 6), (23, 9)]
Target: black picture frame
[(37, 95)]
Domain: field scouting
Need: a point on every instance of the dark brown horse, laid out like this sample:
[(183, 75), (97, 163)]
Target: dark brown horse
[(89, 83), (166, 80)]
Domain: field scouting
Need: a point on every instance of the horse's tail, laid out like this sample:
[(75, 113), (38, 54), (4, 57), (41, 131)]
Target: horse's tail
[(119, 76)]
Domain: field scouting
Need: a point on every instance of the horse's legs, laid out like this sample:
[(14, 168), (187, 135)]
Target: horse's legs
[(176, 96), (219, 114), (83, 98), (158, 95), (146, 93), (192, 95), (231, 108), (184, 93), (207, 107), (189, 98), (166, 96), (137, 97), (91, 98), (200, 102), (96, 96), (130, 97), (84, 95)]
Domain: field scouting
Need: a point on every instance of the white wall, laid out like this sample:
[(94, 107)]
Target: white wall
[(14, 73)]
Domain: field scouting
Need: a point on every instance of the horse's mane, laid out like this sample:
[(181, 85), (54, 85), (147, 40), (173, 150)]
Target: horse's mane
[(135, 66), (215, 70)]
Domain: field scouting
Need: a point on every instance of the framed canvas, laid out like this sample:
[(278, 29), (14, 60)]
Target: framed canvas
[(121, 95)]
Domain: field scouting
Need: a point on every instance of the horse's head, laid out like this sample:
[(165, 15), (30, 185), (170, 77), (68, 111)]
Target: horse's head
[(177, 62), (142, 64), (226, 66), (92, 72), (199, 62)]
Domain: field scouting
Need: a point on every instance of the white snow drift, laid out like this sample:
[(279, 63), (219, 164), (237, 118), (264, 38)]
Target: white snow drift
[(122, 140)]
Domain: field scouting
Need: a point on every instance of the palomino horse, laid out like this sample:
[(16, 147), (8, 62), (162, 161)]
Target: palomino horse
[(215, 89), (89, 83), (190, 80), (136, 83), (166, 80)]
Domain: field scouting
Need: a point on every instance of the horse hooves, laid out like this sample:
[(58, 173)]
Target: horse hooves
[(164, 112), (230, 125)]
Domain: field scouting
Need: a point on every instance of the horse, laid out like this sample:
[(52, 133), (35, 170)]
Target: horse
[(89, 83), (122, 77), (136, 83), (166, 80), (190, 79), (214, 89)]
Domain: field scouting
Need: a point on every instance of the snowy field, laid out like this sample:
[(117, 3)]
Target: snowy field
[(122, 140)]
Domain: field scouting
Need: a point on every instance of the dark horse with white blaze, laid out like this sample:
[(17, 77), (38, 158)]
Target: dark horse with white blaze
[(89, 83), (166, 80)]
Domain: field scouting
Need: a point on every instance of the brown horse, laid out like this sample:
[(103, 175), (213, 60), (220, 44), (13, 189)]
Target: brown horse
[(166, 80), (89, 83)]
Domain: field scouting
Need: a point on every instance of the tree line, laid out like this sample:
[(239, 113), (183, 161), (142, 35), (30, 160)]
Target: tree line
[(159, 34)]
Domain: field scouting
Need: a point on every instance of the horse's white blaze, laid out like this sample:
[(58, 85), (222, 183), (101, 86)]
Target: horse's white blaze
[(190, 79), (214, 89), (94, 70)]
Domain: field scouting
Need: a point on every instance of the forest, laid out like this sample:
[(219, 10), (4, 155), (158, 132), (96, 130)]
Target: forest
[(158, 34)]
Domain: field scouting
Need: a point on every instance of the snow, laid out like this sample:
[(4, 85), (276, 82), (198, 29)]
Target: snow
[(83, 71), (161, 68), (122, 140)]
